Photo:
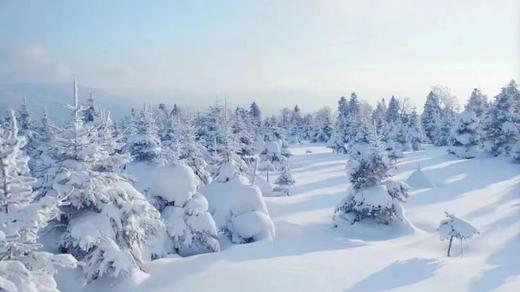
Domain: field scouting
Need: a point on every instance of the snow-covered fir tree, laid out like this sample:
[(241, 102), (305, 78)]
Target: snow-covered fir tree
[(379, 119), (414, 131), (182, 141), (321, 126), (431, 117), (372, 195), (284, 181), (144, 142), (105, 222), (90, 113), (255, 113), (25, 122), (500, 131), (477, 103), (393, 113), (296, 130), (464, 139), (338, 140), (22, 266)]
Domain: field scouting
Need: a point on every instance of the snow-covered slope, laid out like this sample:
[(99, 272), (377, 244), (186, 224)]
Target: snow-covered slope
[(309, 255)]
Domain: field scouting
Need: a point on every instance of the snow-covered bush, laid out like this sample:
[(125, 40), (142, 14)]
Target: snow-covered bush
[(453, 227), (372, 195), (173, 191), (239, 210), (464, 137)]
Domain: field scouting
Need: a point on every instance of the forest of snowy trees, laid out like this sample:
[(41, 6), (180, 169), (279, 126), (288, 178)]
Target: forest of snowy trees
[(108, 196)]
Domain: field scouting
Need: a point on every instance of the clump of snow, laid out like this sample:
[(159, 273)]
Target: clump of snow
[(173, 190), (253, 225), (239, 210), (172, 183)]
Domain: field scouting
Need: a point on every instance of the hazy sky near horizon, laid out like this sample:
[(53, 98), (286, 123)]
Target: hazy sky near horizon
[(277, 52)]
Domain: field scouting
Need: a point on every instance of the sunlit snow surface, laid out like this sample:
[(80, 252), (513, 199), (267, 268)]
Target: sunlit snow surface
[(309, 255)]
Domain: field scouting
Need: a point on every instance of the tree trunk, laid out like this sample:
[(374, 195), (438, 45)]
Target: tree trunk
[(449, 247)]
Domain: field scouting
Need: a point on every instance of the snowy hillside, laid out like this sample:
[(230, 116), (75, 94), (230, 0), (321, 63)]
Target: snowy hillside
[(309, 255)]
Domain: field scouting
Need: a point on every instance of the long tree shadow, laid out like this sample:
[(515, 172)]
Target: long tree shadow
[(505, 266), (463, 176), (398, 274)]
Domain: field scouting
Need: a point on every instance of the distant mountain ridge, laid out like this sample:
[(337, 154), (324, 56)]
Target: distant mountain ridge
[(54, 96)]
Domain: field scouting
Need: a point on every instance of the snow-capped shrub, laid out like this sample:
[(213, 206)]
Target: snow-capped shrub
[(453, 227), (464, 141), (173, 191), (372, 195), (236, 204)]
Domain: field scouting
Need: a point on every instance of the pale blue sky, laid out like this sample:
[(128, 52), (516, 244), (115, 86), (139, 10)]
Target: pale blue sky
[(279, 52)]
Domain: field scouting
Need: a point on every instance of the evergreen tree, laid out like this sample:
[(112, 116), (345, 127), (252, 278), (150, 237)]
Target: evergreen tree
[(295, 130), (393, 114), (500, 131), (24, 120), (284, 181), (321, 128), (255, 113), (477, 103), (415, 135), (90, 113), (105, 222), (431, 117), (464, 140), (338, 141), (144, 143), (22, 266), (379, 119), (372, 196)]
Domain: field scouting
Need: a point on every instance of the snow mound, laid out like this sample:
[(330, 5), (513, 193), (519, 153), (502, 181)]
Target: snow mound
[(239, 210), (419, 180), (265, 186), (256, 225), (172, 183)]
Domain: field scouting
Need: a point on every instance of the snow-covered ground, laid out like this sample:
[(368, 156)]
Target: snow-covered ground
[(309, 255)]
